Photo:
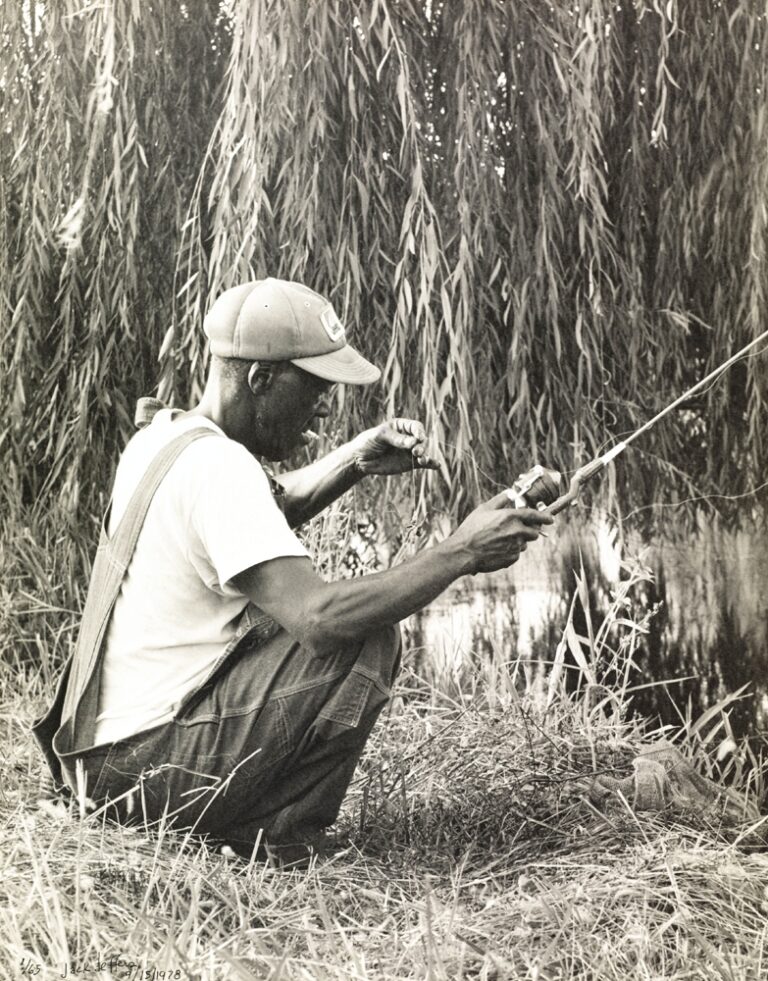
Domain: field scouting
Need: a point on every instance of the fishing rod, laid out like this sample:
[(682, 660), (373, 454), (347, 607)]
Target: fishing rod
[(543, 489)]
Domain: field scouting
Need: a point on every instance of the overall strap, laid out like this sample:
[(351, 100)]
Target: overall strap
[(122, 543), (80, 707)]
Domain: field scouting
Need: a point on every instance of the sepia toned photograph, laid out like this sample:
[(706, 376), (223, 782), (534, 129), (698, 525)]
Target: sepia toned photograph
[(383, 490)]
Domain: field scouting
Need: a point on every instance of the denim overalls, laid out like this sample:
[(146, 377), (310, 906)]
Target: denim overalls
[(267, 743)]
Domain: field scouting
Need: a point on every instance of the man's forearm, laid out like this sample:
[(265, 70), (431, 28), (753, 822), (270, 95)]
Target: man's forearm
[(312, 488), (322, 615), (348, 609)]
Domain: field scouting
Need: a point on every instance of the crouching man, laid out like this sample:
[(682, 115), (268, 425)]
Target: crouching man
[(218, 682)]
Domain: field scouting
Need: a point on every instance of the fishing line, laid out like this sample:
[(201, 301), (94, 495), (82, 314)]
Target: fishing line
[(491, 480), (693, 500), (541, 488), (745, 356)]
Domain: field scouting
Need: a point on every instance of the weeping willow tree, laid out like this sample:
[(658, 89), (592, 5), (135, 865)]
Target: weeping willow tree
[(106, 111), (543, 220)]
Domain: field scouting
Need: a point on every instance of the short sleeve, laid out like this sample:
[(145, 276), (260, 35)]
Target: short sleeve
[(235, 515)]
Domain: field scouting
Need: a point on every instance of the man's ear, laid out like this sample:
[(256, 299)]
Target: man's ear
[(260, 376)]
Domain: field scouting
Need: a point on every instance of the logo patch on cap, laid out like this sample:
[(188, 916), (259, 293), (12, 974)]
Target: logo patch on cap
[(334, 328)]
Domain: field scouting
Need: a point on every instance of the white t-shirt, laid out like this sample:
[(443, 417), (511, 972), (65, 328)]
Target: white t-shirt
[(212, 516)]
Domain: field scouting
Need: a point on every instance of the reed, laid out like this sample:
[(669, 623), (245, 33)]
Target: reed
[(470, 848)]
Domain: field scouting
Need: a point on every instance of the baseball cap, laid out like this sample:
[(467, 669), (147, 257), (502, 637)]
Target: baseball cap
[(279, 320)]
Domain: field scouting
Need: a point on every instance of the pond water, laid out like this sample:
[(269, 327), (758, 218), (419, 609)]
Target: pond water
[(707, 638)]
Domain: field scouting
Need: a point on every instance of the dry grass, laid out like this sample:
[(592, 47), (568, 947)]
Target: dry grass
[(473, 852)]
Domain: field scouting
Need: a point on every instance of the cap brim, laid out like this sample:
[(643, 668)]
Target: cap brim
[(345, 366)]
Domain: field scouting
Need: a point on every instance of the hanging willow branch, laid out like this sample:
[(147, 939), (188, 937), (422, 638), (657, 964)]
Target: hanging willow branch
[(541, 220), (106, 109)]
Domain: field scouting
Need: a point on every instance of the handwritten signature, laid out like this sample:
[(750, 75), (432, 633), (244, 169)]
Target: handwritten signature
[(114, 964)]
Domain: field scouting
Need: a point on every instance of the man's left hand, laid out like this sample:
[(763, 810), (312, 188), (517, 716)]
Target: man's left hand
[(396, 446)]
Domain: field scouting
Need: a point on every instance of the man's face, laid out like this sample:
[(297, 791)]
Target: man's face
[(287, 408)]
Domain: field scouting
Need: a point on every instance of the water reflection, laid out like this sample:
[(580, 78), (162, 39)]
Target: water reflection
[(711, 623)]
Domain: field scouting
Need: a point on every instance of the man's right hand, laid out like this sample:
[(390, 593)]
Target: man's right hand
[(496, 532)]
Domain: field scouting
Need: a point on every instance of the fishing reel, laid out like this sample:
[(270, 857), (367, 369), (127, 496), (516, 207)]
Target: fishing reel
[(538, 488)]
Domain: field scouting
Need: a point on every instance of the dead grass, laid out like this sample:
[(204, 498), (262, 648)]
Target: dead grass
[(473, 852)]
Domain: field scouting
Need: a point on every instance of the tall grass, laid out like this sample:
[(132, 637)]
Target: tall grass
[(470, 848)]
